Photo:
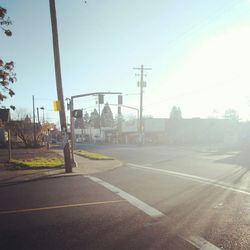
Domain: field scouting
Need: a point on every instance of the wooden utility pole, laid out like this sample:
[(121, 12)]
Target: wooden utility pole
[(141, 84), (66, 149)]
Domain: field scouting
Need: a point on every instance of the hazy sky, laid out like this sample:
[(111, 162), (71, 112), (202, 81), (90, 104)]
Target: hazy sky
[(199, 51)]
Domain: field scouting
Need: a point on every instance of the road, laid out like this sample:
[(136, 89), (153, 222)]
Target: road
[(76, 213), (162, 198), (201, 193)]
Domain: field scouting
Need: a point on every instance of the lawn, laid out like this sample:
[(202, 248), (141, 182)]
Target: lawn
[(40, 162), (92, 156)]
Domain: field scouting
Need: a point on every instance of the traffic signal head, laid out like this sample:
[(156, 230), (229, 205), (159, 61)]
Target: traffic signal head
[(77, 113)]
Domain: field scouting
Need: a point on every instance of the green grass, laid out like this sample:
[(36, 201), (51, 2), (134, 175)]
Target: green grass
[(40, 162), (92, 156)]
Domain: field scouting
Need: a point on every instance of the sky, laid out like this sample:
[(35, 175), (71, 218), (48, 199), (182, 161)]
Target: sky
[(199, 52)]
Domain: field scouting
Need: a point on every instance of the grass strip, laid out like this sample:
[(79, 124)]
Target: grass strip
[(40, 162), (92, 156)]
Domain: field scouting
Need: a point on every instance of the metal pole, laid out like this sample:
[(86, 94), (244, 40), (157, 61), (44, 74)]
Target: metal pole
[(99, 110), (72, 130), (9, 146), (48, 140), (66, 149), (141, 104), (38, 120), (34, 120)]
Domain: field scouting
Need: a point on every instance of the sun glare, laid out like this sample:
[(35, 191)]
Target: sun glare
[(216, 75)]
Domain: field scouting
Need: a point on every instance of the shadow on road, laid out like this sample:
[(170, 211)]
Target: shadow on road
[(240, 158)]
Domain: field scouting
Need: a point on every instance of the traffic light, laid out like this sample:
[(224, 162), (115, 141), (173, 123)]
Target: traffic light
[(120, 101), (77, 113), (100, 99)]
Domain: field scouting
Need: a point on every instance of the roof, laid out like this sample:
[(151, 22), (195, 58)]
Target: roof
[(4, 115)]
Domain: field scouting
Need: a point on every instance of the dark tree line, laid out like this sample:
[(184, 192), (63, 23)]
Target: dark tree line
[(106, 118)]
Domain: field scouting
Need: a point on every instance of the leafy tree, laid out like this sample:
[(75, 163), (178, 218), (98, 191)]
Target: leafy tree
[(231, 114), (94, 119), (7, 76), (175, 113), (5, 21), (107, 119)]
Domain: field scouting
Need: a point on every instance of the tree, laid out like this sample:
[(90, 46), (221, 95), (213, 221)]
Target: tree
[(94, 119), (86, 119), (175, 113), (79, 123), (24, 130), (7, 75), (231, 114), (107, 119), (5, 21), (20, 114)]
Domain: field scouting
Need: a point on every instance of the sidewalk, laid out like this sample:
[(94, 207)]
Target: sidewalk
[(84, 167)]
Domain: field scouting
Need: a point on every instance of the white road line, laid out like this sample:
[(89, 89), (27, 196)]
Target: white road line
[(131, 199), (196, 241), (193, 178), (201, 243)]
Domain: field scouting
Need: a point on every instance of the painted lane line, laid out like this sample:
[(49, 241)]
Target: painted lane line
[(196, 241), (131, 199), (201, 243), (58, 207), (193, 178)]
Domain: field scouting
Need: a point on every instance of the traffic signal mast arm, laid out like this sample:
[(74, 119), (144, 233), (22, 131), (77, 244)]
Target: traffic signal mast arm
[(96, 93)]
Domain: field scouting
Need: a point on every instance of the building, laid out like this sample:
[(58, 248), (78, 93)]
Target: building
[(4, 119)]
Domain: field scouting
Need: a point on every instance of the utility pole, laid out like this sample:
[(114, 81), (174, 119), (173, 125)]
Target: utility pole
[(34, 120), (141, 84), (66, 149), (42, 108), (38, 120), (100, 125), (9, 145)]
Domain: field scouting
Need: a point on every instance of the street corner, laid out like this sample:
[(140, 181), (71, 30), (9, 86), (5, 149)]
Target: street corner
[(87, 166)]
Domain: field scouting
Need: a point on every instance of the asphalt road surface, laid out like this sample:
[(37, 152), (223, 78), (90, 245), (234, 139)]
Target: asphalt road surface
[(203, 195), (77, 213)]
